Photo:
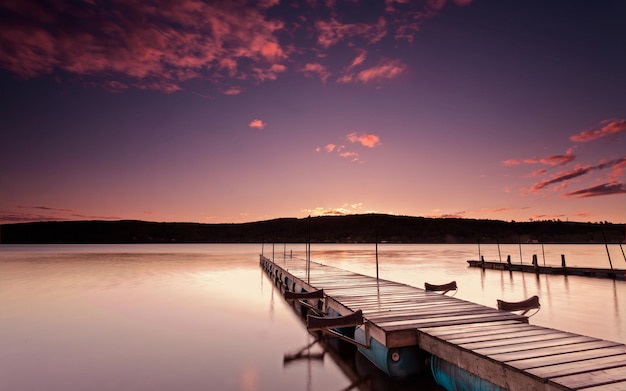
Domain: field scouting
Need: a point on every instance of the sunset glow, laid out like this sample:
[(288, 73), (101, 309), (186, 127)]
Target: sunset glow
[(238, 111)]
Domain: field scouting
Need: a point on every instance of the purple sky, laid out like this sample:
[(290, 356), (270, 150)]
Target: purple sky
[(234, 111)]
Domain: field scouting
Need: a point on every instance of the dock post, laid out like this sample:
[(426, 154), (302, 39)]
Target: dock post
[(482, 261), (535, 263), (508, 259), (563, 261)]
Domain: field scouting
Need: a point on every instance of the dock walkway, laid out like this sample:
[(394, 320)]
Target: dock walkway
[(498, 346)]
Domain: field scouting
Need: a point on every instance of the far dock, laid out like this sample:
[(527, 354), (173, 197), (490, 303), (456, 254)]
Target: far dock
[(616, 274), (458, 337)]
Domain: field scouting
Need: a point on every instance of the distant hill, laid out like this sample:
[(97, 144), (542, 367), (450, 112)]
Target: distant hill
[(366, 228)]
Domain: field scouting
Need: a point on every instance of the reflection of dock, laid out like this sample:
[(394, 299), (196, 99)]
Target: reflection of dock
[(616, 274), (493, 345)]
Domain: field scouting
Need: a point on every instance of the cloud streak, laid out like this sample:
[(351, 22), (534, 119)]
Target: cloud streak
[(607, 128), (554, 160), (617, 164)]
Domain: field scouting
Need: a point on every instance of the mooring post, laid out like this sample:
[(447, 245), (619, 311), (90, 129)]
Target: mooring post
[(535, 263), (563, 261), (607, 249), (508, 259)]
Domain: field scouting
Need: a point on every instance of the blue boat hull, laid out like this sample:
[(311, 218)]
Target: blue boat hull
[(454, 378), (395, 362)]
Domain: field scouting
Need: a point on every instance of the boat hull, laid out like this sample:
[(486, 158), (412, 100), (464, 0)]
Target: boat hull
[(395, 362), (454, 378)]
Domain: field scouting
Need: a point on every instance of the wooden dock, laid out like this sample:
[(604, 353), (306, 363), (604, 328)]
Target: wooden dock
[(615, 274), (498, 346)]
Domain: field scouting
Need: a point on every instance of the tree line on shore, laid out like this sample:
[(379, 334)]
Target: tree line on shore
[(367, 228)]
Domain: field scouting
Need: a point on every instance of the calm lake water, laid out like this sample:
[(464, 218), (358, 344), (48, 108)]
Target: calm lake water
[(204, 316)]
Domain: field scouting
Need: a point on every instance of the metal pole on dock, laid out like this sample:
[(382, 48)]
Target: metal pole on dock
[(308, 262), (519, 241), (607, 249), (543, 252), (376, 240), (499, 254)]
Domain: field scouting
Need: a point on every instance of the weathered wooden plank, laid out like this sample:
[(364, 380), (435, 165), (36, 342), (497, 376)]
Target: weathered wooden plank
[(382, 311), (594, 378), (392, 304), (490, 370), (493, 332), (535, 345), (536, 362), (430, 322), (425, 311), (551, 351), (571, 368), (485, 337), (619, 386), (447, 322), (455, 329), (376, 298), (514, 338)]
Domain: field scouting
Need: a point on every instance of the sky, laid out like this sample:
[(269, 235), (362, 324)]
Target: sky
[(240, 111)]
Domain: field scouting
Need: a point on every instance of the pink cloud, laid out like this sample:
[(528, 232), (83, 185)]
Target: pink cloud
[(121, 44), (358, 60), (560, 177), (367, 140), (617, 165), (47, 208), (141, 45), (599, 190), (554, 160), (257, 124), (607, 128), (387, 69), (320, 70), (333, 31), (538, 172), (350, 155), (233, 91)]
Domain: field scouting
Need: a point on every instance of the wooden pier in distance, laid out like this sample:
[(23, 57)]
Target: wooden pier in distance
[(495, 345), (616, 274)]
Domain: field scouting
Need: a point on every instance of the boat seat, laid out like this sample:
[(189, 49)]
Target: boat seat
[(332, 322), (443, 288), (318, 294), (520, 306), (304, 297)]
